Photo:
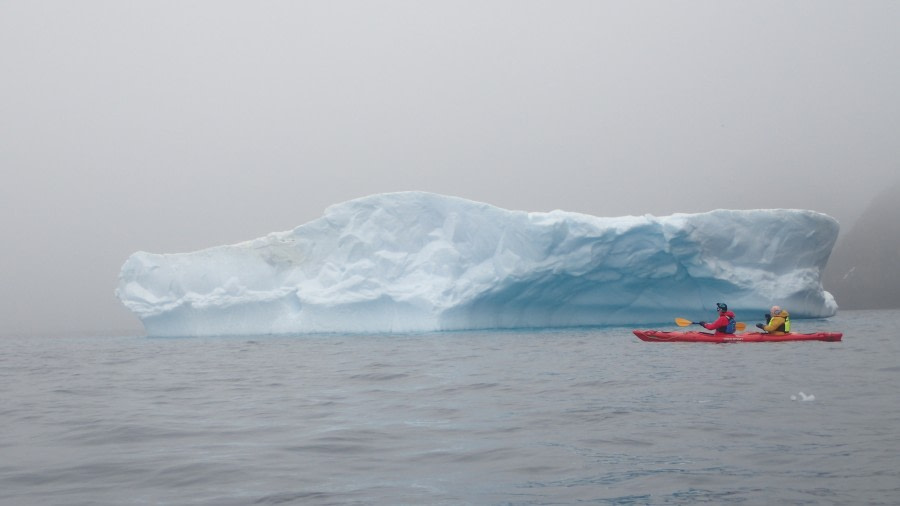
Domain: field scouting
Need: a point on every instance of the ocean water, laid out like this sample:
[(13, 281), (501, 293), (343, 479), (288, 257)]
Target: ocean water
[(584, 416)]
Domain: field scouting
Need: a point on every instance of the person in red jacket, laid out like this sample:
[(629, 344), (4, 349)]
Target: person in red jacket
[(725, 324)]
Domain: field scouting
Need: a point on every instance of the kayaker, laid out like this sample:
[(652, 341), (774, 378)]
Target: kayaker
[(725, 324), (778, 322)]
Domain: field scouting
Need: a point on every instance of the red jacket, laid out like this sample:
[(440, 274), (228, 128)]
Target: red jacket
[(720, 324)]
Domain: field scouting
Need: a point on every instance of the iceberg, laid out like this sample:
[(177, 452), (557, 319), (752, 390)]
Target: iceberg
[(418, 262)]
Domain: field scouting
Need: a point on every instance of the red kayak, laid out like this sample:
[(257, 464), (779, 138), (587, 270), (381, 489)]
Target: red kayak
[(659, 336)]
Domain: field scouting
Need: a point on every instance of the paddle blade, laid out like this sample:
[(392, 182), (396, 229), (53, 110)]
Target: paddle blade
[(681, 322), (740, 325)]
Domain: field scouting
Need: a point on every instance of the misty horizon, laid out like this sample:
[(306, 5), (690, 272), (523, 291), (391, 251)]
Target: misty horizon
[(163, 127)]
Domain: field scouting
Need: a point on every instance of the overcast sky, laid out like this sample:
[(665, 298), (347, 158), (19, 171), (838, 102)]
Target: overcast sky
[(171, 126)]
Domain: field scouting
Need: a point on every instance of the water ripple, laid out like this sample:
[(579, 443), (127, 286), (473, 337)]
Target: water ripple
[(546, 417)]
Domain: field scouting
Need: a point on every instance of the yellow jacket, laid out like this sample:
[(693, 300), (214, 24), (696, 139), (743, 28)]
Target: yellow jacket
[(776, 322)]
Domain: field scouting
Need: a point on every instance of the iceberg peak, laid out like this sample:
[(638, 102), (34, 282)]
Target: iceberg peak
[(416, 261)]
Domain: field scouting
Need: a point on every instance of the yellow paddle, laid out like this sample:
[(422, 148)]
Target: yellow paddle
[(681, 322)]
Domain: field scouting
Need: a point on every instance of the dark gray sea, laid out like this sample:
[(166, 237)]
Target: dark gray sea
[(585, 416)]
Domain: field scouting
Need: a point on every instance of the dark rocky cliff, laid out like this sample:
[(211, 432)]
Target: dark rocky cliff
[(864, 269)]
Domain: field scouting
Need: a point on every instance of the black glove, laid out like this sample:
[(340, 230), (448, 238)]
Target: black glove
[(768, 317), (760, 326), (701, 323)]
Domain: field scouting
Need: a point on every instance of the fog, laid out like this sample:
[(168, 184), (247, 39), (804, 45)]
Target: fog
[(172, 126)]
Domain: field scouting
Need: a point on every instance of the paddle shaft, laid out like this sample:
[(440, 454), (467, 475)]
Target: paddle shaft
[(683, 322)]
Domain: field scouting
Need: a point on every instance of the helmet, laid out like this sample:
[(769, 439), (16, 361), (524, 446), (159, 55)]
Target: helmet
[(776, 310), (721, 306)]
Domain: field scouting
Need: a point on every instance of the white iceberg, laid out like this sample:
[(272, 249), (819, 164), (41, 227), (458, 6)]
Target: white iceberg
[(415, 261)]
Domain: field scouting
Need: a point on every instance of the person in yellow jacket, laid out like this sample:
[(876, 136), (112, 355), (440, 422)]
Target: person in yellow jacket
[(778, 323)]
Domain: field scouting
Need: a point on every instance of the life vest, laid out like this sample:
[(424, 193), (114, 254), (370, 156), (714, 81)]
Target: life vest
[(785, 325), (729, 329)]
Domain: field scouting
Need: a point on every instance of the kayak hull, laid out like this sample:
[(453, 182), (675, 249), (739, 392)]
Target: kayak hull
[(660, 336)]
